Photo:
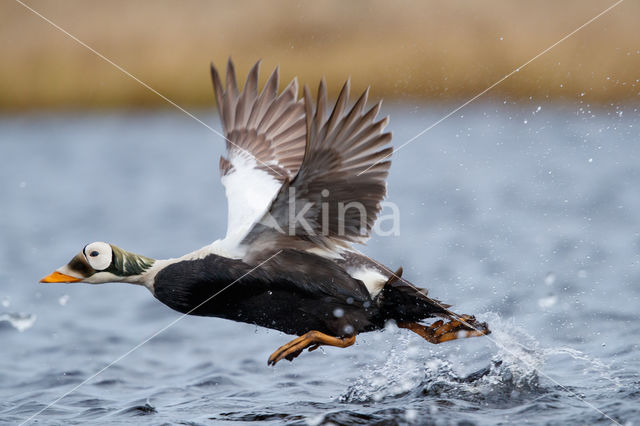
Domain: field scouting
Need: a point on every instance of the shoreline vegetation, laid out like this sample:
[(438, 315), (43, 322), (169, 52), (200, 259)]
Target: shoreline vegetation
[(411, 51)]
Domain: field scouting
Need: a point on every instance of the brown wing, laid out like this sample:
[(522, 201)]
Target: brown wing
[(339, 186), (265, 127)]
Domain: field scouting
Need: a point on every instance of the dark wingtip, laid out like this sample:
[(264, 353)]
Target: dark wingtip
[(271, 86), (232, 85), (252, 78), (212, 70), (398, 273), (307, 92), (395, 276), (322, 90), (347, 86), (215, 76), (217, 86), (231, 68), (308, 106), (255, 69)]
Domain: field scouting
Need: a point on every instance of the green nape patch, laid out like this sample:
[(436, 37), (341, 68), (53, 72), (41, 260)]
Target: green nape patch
[(125, 263)]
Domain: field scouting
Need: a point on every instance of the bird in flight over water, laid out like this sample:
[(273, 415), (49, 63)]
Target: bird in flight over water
[(304, 181)]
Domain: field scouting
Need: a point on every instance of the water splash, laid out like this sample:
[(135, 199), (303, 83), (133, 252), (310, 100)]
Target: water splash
[(430, 372), (399, 374), (590, 366), (513, 342), (512, 377), (20, 322)]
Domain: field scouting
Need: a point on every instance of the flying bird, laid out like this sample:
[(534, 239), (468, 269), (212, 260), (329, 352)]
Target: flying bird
[(304, 182)]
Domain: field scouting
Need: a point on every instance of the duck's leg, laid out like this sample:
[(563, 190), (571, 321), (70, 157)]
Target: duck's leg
[(311, 340), (439, 332)]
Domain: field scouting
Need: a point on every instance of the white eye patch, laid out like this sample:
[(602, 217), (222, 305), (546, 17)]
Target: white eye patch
[(98, 255)]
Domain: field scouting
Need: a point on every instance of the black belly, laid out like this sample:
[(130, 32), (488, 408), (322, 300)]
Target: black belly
[(291, 294)]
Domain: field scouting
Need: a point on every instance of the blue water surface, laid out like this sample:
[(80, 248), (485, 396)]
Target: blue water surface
[(525, 214)]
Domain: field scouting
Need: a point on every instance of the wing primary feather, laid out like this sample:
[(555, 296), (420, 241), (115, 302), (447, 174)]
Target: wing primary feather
[(251, 85), (249, 93), (269, 93), (338, 110), (309, 115), (271, 115), (373, 142), (229, 100), (288, 133), (232, 85), (368, 159), (352, 117), (218, 91), (284, 119), (358, 140), (320, 111), (360, 124)]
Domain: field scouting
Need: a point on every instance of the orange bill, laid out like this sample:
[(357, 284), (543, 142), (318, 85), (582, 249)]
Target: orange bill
[(57, 277)]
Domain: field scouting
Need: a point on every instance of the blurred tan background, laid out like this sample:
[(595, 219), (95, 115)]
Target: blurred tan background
[(410, 51)]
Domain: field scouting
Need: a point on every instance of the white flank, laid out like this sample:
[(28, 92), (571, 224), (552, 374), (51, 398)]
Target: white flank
[(372, 279)]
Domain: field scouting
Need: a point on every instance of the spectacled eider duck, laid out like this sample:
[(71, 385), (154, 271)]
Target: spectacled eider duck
[(287, 261)]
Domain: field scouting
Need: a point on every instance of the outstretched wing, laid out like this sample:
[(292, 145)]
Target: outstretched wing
[(334, 199), (265, 144)]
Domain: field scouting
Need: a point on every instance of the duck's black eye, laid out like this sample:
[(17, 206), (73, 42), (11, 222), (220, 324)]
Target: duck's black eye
[(94, 253)]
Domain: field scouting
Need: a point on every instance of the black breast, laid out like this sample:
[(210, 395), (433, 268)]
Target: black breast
[(295, 292)]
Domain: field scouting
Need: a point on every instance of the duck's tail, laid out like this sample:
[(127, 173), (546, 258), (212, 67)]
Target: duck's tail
[(408, 305)]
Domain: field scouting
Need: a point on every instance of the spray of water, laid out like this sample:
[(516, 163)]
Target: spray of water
[(516, 358)]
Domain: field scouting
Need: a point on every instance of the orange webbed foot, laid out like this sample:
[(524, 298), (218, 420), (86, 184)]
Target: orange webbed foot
[(312, 340), (462, 327)]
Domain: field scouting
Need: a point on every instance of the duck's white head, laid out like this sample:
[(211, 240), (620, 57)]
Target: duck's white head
[(99, 263)]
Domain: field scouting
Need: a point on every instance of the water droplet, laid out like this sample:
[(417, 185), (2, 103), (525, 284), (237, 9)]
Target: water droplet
[(550, 279), (547, 302), (412, 415)]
